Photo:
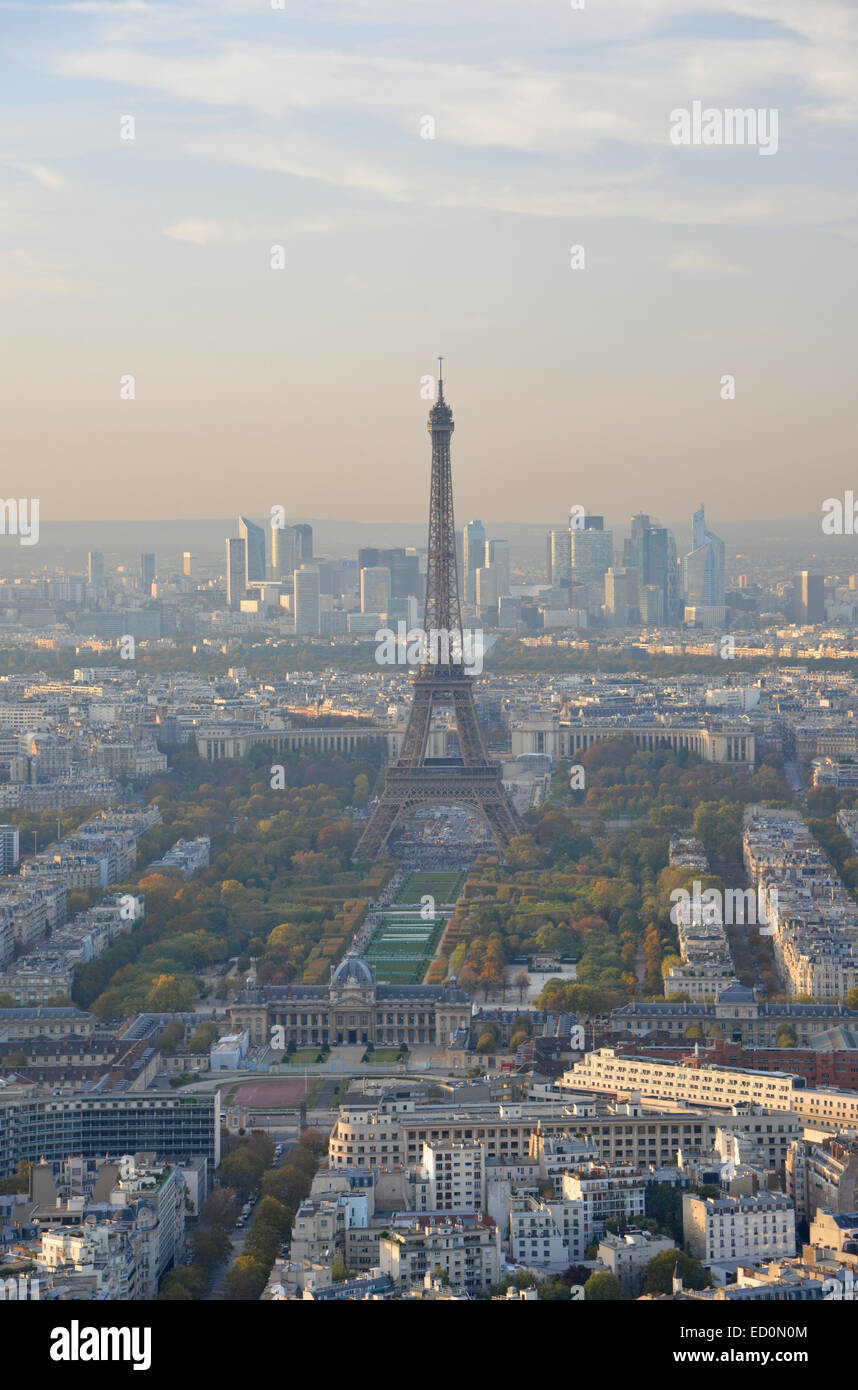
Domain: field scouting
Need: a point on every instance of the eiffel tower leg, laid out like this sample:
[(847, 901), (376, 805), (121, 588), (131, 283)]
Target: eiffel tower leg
[(378, 828), (417, 729), (501, 819), (471, 744)]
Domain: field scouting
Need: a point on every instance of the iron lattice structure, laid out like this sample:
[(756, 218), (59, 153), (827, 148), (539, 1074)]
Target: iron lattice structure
[(441, 681)]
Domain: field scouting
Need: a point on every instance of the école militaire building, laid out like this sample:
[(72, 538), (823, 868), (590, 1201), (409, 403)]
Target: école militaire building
[(352, 1009)]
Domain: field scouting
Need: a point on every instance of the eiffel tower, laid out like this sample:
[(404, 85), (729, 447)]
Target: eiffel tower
[(441, 680)]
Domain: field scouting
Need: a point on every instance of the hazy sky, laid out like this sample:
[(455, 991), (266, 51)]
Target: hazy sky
[(301, 127)]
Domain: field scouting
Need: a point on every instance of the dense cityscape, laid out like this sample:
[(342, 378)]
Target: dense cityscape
[(336, 970), (428, 674)]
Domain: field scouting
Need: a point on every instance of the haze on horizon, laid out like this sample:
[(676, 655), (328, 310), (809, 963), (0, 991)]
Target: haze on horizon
[(302, 128)]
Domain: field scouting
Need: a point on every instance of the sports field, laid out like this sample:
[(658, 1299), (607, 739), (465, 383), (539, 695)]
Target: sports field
[(290, 1091), (444, 887), (402, 947)]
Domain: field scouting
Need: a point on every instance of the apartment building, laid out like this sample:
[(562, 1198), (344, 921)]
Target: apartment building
[(465, 1248), (607, 1071), (813, 917), (456, 1173), (749, 1228), (620, 1133), (553, 1232), (35, 1124), (627, 1255), (822, 1171)]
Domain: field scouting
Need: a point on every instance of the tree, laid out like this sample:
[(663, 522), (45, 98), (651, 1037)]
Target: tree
[(107, 1005), (467, 978), (245, 1279), (603, 1287), (203, 1037), (19, 1182), (171, 1035), (220, 1208), (183, 1282), (211, 1246), (522, 983), (660, 1270), (170, 994), (664, 1206)]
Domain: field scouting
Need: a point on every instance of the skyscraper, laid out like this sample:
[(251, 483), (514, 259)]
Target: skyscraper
[(474, 556), (254, 551), (284, 551), (147, 571), (703, 568), (95, 569), (307, 603), (654, 552), (497, 557), (592, 554), (621, 596), (809, 590), (303, 542), (189, 564), (374, 589), (631, 547), (487, 588), (560, 554), (404, 566), (236, 586)]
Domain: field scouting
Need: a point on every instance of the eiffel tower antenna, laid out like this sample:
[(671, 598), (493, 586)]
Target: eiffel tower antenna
[(415, 779)]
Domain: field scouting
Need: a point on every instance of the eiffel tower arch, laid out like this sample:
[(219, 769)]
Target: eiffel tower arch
[(441, 681)]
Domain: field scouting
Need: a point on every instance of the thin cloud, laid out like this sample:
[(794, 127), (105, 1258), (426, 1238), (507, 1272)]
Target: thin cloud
[(700, 261)]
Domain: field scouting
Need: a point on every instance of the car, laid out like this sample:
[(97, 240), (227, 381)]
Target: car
[(239, 1223)]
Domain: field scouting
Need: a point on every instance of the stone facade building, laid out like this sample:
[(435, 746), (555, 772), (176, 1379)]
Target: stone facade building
[(352, 1010)]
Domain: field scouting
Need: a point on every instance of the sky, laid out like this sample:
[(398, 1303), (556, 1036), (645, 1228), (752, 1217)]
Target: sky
[(305, 128)]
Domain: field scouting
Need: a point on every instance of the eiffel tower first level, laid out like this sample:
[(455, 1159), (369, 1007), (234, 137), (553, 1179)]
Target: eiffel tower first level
[(442, 681)]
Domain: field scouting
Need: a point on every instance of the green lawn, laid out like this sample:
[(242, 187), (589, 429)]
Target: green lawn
[(401, 950), (383, 1056), (302, 1056), (443, 887)]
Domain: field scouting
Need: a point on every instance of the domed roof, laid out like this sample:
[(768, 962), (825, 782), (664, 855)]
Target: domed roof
[(353, 970)]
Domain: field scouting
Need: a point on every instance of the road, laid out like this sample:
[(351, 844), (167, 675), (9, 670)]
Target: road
[(238, 1237), (795, 781)]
